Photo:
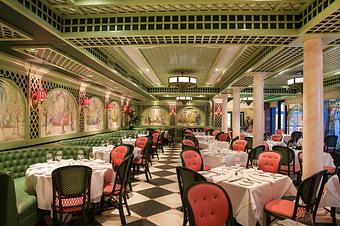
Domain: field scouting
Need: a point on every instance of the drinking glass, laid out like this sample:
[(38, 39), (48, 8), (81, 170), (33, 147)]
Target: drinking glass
[(80, 155), (237, 161), (255, 164), (49, 157), (103, 143), (59, 155), (91, 155)]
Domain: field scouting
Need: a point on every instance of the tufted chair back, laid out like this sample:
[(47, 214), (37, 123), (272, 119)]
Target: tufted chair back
[(119, 153), (223, 137), (242, 136), (188, 144), (208, 204), (141, 142), (187, 131), (276, 137), (192, 160), (215, 132), (155, 136), (269, 161), (279, 131), (186, 135), (239, 145)]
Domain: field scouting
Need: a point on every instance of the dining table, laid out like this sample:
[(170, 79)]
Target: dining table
[(216, 155), (331, 194), (249, 190), (38, 180), (327, 159)]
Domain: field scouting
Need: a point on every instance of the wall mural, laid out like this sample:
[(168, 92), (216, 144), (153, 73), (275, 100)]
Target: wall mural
[(114, 117), (12, 113), (190, 116), (58, 114), (155, 116), (94, 115)]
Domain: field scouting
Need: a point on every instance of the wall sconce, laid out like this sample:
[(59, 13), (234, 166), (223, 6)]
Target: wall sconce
[(109, 106), (85, 102), (218, 111), (38, 97)]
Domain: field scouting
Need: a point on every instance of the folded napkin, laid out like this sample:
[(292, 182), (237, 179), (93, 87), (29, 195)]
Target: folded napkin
[(223, 177)]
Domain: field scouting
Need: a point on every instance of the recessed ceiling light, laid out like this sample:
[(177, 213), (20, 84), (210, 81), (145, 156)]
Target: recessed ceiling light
[(32, 50), (147, 70), (216, 70)]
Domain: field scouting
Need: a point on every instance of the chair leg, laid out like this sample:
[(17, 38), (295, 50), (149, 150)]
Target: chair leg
[(185, 217), (121, 211), (267, 218), (333, 215), (157, 153), (127, 206)]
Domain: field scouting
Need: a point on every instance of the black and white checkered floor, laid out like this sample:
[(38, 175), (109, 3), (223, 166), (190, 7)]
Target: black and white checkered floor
[(157, 202)]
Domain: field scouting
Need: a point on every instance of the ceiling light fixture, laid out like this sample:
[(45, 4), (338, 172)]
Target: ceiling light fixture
[(182, 82), (247, 100), (296, 82), (184, 99)]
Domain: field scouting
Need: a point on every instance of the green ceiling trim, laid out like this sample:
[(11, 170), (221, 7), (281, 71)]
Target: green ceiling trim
[(198, 90)]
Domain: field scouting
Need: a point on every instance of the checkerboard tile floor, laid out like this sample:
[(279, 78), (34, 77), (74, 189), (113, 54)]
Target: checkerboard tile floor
[(156, 202)]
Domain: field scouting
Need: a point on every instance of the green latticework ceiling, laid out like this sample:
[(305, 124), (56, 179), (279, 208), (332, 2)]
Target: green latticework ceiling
[(79, 7), (191, 60)]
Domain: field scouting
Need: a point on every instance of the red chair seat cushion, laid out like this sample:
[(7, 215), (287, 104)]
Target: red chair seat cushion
[(207, 168), (138, 161), (330, 169), (283, 208), (107, 190)]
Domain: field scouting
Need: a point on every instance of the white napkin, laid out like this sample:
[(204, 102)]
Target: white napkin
[(223, 177)]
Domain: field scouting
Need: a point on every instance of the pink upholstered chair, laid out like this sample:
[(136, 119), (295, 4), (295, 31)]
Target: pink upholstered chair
[(307, 200), (154, 148), (269, 161), (279, 131), (215, 132), (223, 137), (239, 145), (242, 136), (119, 153), (188, 145), (193, 160), (187, 131), (208, 204), (141, 142), (276, 137)]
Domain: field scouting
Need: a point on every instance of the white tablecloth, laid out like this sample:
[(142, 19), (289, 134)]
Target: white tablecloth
[(103, 153), (271, 144), (285, 138), (326, 157), (131, 141), (38, 180), (331, 195), (205, 138), (214, 158), (199, 133), (248, 198)]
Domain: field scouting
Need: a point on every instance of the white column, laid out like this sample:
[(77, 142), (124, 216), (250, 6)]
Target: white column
[(258, 109), (236, 111), (312, 107), (224, 113)]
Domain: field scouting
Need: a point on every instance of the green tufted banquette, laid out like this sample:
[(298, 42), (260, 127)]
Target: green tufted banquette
[(17, 208)]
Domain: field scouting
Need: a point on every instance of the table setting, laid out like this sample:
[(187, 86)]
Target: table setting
[(223, 156), (38, 180), (250, 189), (104, 153)]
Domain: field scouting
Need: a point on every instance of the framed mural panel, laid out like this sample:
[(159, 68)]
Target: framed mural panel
[(94, 115), (114, 116), (58, 114), (155, 116), (12, 112), (190, 116)]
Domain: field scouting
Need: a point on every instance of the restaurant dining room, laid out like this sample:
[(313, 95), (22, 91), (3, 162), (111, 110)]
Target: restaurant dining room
[(169, 112)]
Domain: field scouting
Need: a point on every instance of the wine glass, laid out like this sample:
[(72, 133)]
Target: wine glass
[(237, 160), (49, 157), (80, 155), (103, 143), (59, 155), (255, 164), (91, 155)]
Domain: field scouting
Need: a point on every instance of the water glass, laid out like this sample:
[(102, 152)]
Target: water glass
[(80, 155), (91, 155), (237, 160), (49, 157), (59, 155)]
